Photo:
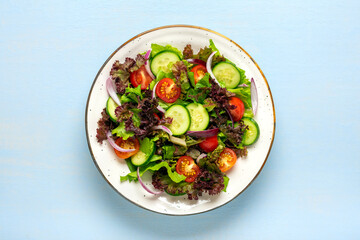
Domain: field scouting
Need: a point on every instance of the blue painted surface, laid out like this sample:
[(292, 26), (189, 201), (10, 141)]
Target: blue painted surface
[(50, 53)]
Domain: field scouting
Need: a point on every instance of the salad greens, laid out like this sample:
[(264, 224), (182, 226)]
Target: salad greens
[(162, 92)]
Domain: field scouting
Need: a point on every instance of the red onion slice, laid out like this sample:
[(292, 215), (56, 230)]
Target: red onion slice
[(148, 70), (154, 96), (111, 91), (243, 85), (114, 145), (254, 96), (208, 67), (200, 157), (144, 186), (196, 61), (162, 127), (147, 55), (153, 93), (203, 134), (147, 65), (160, 109)]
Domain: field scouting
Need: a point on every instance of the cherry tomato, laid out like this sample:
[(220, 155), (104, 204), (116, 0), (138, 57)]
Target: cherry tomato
[(226, 160), (130, 143), (167, 90), (187, 167), (199, 72), (140, 76), (238, 112), (209, 144)]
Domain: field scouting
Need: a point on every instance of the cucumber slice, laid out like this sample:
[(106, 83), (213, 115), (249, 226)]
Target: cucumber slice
[(199, 117), (161, 61), (131, 166), (251, 135), (110, 108), (175, 194), (141, 158), (181, 119), (228, 74)]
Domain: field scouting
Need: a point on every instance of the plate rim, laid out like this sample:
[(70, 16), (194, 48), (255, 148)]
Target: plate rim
[(139, 35)]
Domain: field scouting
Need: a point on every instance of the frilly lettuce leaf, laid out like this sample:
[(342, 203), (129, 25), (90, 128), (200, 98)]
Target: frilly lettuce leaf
[(244, 94), (156, 48), (154, 167), (121, 132)]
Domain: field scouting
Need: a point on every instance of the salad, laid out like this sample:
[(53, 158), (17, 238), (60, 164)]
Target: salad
[(185, 117)]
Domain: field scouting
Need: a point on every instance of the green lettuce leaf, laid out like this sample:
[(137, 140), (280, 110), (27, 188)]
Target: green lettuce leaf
[(154, 167), (146, 145), (155, 158), (191, 141), (248, 113), (191, 78), (244, 94), (161, 75), (131, 166), (168, 151), (209, 104), (213, 48), (133, 92), (136, 120), (156, 48), (121, 132), (226, 182), (125, 99), (204, 82)]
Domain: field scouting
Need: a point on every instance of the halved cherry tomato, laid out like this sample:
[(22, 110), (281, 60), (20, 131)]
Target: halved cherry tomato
[(226, 160), (209, 144), (167, 90), (187, 167), (130, 143), (199, 72), (238, 112), (140, 76)]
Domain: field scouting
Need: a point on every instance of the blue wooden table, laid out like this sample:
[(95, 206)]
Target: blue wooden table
[(50, 53)]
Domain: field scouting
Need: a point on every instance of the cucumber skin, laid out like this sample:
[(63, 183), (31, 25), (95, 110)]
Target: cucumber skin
[(191, 120), (131, 166), (233, 66), (188, 113), (257, 129), (147, 159), (107, 110), (175, 195)]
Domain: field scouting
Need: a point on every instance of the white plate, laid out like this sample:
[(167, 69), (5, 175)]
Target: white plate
[(245, 170)]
